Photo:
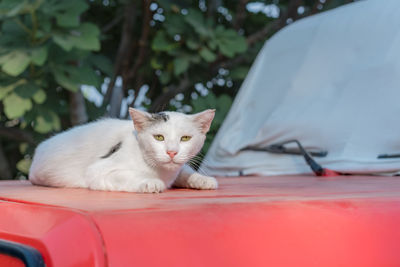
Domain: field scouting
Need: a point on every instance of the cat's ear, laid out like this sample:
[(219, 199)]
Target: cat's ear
[(204, 119), (140, 118)]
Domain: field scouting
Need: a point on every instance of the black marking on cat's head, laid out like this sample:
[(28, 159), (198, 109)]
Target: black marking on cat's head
[(161, 116)]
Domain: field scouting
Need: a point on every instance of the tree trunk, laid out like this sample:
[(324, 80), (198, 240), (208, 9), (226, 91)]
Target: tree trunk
[(77, 108), (5, 172)]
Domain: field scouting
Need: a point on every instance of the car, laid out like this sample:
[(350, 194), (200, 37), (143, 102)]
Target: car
[(301, 220)]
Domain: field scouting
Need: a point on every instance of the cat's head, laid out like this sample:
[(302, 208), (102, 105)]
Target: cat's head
[(170, 139)]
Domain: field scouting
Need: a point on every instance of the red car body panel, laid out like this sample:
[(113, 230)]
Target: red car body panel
[(248, 221)]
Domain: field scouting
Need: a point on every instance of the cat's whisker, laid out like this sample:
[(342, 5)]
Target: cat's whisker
[(192, 165), (198, 161), (196, 164), (202, 171)]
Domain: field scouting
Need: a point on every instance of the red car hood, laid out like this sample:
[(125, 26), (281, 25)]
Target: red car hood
[(248, 221)]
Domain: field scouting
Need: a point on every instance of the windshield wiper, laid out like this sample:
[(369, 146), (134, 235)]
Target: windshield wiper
[(279, 148), (388, 156)]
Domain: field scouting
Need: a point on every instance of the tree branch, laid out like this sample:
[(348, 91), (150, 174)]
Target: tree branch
[(231, 62), (240, 14), (212, 6), (161, 101), (125, 45), (16, 134), (276, 24), (114, 22), (264, 32), (143, 43)]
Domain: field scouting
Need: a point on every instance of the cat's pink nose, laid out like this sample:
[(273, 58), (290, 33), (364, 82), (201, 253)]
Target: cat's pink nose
[(172, 154)]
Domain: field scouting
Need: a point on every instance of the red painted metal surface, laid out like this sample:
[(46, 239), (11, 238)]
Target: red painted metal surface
[(248, 221), (9, 261), (330, 173), (64, 237)]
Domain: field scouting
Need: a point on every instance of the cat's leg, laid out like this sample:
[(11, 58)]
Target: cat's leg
[(121, 181), (188, 178), (124, 181), (151, 185), (100, 177)]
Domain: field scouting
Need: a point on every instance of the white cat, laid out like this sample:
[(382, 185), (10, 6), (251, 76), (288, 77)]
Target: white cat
[(110, 155)]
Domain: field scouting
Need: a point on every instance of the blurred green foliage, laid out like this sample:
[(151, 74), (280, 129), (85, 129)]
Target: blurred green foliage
[(221, 103), (178, 55)]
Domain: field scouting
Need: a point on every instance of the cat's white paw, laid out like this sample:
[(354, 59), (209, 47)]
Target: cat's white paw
[(198, 181), (151, 186)]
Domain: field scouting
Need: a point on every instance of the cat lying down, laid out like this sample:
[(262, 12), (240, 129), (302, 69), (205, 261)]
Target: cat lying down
[(149, 155)]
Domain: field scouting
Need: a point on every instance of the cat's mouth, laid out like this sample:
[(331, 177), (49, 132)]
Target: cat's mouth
[(172, 164)]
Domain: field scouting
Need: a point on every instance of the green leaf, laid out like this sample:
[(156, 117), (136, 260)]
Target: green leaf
[(4, 91), (47, 121), (85, 37), (192, 44), (207, 55), (229, 42), (56, 123), (88, 76), (15, 106), (196, 19), (64, 76), (239, 73), (202, 103), (175, 24), (39, 56), (26, 90), (12, 8), (224, 103), (23, 147), (15, 62), (67, 13), (45, 23), (155, 64), (102, 63), (24, 164), (95, 112), (212, 44), (161, 42), (165, 77), (39, 97), (11, 32), (73, 9), (72, 78), (7, 87), (42, 125), (211, 100), (181, 64)]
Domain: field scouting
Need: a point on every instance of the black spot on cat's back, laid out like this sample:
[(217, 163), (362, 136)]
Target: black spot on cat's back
[(112, 150)]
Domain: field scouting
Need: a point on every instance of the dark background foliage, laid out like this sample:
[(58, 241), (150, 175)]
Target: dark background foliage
[(64, 63)]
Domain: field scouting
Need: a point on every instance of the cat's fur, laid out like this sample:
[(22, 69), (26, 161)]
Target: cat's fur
[(110, 154)]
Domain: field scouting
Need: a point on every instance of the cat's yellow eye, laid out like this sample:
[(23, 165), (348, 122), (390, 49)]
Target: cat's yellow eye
[(185, 138), (159, 137)]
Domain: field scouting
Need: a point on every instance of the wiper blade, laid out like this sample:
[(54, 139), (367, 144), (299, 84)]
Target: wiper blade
[(388, 156), (279, 148)]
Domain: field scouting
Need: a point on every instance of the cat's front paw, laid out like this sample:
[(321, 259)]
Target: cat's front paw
[(151, 186), (198, 181)]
